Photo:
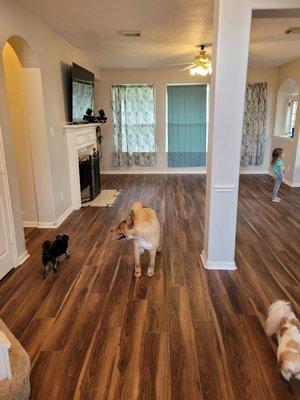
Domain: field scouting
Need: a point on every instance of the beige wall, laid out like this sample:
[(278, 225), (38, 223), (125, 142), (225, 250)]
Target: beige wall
[(14, 79), (160, 78), (290, 146), (54, 55)]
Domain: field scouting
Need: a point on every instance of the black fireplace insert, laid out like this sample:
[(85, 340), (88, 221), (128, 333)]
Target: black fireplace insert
[(89, 171)]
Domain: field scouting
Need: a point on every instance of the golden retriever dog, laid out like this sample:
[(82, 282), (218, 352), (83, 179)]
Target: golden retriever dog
[(143, 227), (282, 321)]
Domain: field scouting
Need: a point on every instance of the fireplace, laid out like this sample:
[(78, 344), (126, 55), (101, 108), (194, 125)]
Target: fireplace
[(81, 140), (89, 173)]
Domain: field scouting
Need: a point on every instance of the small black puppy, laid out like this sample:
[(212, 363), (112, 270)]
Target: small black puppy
[(52, 251)]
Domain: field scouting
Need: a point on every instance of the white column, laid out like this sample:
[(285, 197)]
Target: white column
[(232, 22)]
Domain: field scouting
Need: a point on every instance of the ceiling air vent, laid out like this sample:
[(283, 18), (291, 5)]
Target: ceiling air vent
[(130, 33), (295, 30)]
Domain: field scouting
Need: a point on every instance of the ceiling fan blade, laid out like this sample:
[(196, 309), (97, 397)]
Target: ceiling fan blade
[(188, 67), (185, 63)]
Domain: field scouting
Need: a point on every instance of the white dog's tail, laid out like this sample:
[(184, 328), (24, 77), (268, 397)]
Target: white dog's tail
[(278, 310)]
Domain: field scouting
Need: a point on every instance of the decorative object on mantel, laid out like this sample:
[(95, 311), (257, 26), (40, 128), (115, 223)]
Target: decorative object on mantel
[(102, 118), (99, 138), (91, 118), (106, 198)]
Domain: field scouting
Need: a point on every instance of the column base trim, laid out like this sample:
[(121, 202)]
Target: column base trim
[(30, 224), (22, 258), (217, 265)]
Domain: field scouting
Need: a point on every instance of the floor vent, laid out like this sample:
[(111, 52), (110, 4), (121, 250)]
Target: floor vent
[(130, 33)]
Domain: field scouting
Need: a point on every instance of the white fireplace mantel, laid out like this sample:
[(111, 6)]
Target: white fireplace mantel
[(78, 137)]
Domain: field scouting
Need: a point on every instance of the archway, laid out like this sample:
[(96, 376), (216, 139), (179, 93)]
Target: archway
[(25, 103), (286, 109)]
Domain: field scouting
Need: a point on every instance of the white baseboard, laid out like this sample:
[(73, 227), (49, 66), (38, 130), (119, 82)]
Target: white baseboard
[(57, 223), (63, 217), (253, 172), (150, 172), (218, 265), (22, 258), (30, 224), (287, 182), (46, 225), (292, 184), (172, 172)]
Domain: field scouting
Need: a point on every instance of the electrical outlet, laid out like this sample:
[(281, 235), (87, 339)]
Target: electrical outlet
[(61, 195), (52, 131)]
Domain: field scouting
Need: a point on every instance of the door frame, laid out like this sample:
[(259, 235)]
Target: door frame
[(12, 233)]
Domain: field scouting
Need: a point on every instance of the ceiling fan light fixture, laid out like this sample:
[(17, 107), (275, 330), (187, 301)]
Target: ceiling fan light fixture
[(200, 70), (202, 64)]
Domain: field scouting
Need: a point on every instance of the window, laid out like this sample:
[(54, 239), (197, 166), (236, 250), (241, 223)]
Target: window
[(291, 118), (286, 109), (133, 109), (187, 125)]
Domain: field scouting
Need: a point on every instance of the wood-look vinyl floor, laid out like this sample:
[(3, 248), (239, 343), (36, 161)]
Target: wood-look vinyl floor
[(97, 332)]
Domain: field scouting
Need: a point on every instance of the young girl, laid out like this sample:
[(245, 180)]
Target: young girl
[(278, 168)]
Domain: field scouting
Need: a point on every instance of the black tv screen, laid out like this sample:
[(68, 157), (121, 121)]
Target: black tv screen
[(82, 88)]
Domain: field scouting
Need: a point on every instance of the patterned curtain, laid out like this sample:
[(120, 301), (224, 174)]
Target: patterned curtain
[(254, 130), (133, 109)]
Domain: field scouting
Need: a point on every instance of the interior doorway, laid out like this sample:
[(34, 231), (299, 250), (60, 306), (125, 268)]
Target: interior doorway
[(24, 96)]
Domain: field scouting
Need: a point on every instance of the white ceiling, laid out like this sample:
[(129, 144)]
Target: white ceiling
[(270, 46), (171, 30)]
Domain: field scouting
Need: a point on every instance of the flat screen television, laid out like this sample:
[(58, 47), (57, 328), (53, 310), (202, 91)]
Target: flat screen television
[(82, 92)]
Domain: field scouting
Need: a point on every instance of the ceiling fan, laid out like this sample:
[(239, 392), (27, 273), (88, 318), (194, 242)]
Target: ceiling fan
[(201, 64)]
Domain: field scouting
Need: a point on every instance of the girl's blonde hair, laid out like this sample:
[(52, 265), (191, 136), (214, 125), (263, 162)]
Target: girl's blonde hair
[(276, 154)]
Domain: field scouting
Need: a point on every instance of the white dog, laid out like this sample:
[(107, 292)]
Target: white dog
[(282, 321)]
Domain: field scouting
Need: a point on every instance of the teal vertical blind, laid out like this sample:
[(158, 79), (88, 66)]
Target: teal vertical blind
[(187, 125)]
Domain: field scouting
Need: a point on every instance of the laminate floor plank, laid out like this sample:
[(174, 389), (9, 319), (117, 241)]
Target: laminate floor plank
[(115, 306), (155, 379), (67, 317), (77, 348), (185, 381), (126, 375), (245, 380), (97, 375), (214, 376)]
